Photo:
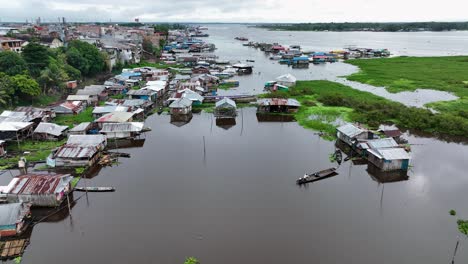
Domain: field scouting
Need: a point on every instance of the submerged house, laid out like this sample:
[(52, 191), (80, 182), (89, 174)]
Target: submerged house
[(350, 133), (389, 159), (49, 131), (181, 106), (122, 130), (14, 218), (79, 151), (278, 105), (43, 190), (225, 108)]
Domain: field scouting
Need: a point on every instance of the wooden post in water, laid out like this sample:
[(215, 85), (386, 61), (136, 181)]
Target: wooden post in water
[(455, 252)]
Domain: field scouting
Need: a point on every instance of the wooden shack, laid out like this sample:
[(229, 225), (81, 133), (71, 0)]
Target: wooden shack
[(225, 108), (14, 218), (390, 159), (50, 131), (278, 105), (181, 106), (350, 133)]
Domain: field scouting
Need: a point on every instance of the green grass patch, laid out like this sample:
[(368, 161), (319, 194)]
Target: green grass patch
[(328, 100), (227, 86), (463, 226), (157, 65), (38, 151), (72, 120), (449, 74)]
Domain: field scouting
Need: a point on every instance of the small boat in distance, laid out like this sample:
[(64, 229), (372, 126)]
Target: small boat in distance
[(241, 38), (95, 189), (316, 176)]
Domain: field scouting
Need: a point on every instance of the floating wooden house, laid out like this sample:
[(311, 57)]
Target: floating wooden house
[(79, 151), (43, 190), (181, 106), (99, 111), (50, 131), (14, 218), (278, 105), (350, 134), (122, 130), (115, 117), (389, 159), (243, 68), (225, 108)]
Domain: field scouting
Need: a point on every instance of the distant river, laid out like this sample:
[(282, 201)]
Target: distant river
[(405, 43)]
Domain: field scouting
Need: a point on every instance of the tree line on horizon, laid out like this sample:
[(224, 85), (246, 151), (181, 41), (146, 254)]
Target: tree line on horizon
[(358, 26)]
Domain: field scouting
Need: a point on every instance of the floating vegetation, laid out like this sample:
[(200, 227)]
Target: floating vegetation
[(453, 212), (463, 226), (191, 260)]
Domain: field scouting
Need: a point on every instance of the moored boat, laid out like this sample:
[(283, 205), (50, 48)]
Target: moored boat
[(316, 176), (95, 189)]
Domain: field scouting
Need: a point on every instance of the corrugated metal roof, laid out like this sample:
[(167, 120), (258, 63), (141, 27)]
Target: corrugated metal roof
[(76, 152), (279, 101), (141, 92), (391, 153), (81, 127), (110, 109), (86, 140), (115, 117), (181, 103), (225, 101), (50, 128), (38, 184), (122, 127), (382, 143), (14, 126), (191, 95), (13, 213), (350, 130), (78, 98)]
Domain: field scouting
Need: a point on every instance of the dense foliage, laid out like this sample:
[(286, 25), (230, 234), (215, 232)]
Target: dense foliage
[(389, 27), (39, 69), (373, 110)]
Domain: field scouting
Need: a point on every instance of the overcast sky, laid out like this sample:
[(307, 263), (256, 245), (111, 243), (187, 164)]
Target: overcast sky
[(235, 11)]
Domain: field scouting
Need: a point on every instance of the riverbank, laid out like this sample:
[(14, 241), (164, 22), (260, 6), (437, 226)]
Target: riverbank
[(449, 74), (326, 103)]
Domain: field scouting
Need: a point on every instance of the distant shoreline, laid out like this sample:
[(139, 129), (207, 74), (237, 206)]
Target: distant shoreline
[(368, 27)]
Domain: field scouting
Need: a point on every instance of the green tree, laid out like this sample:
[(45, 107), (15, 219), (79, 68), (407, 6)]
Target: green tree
[(52, 76), (4, 98), (94, 60), (12, 63), (75, 59), (25, 85), (37, 57), (6, 84)]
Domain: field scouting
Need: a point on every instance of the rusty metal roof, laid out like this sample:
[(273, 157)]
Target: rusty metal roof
[(279, 102), (75, 152), (38, 184)]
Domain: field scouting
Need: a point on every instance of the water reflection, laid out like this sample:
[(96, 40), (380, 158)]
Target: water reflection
[(180, 120), (265, 117), (225, 123), (386, 176)]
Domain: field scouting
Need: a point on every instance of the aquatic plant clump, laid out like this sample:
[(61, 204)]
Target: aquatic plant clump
[(463, 226)]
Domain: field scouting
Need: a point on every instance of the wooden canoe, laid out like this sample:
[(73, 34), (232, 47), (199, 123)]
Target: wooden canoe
[(316, 176)]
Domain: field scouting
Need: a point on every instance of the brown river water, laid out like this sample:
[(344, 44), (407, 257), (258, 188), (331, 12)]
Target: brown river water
[(233, 199)]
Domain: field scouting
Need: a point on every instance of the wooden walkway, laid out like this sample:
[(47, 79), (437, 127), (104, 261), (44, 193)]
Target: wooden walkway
[(12, 248)]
